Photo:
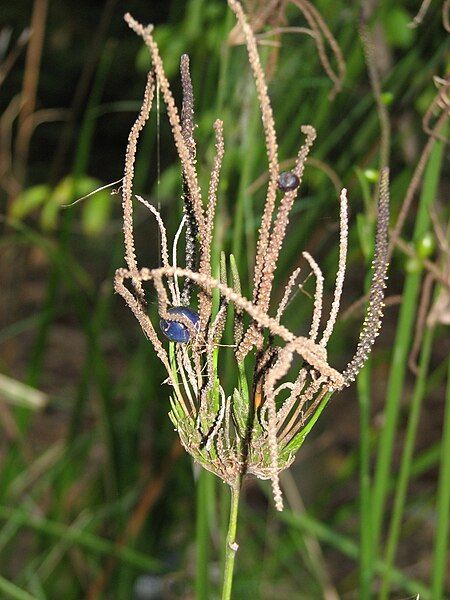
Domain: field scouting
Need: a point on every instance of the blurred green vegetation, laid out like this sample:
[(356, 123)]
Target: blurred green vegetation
[(96, 498)]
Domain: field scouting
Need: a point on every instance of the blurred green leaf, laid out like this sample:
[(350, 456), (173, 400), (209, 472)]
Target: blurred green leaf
[(29, 200), (96, 212), (171, 47), (426, 245), (169, 184), (387, 98), (372, 175), (365, 234), (17, 393), (96, 209), (413, 265), (396, 27)]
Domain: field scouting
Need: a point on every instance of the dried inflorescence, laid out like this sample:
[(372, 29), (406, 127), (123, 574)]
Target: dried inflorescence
[(230, 427)]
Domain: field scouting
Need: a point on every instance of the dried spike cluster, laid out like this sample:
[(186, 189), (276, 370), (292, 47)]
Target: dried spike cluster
[(127, 184), (272, 251), (281, 221), (318, 296), (372, 322), (225, 427), (187, 130), (205, 260), (339, 285), (287, 293)]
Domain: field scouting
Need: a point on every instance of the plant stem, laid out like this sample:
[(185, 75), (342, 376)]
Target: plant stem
[(406, 463), (205, 491), (442, 506), (231, 545), (365, 528)]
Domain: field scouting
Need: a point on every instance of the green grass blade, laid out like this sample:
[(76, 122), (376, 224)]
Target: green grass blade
[(12, 591)]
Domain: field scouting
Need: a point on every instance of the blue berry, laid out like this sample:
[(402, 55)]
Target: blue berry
[(178, 332), (288, 181)]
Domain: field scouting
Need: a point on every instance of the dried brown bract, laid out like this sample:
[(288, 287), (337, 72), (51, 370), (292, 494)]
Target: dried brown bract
[(236, 427)]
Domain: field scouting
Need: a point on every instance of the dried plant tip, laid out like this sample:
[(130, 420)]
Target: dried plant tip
[(163, 234), (206, 244), (141, 316), (287, 292), (172, 113), (187, 130), (343, 244), (414, 184), (318, 296), (321, 32), (127, 186), (420, 15), (187, 108), (282, 221)]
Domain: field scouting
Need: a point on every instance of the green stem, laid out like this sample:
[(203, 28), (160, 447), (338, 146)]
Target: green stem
[(365, 533), (442, 506), (204, 502), (231, 545), (406, 462), (364, 400)]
